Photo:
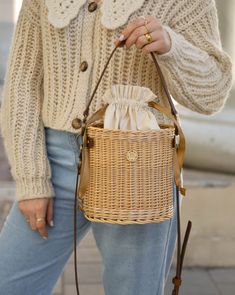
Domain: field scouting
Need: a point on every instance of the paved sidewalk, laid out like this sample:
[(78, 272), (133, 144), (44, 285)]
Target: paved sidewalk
[(196, 281)]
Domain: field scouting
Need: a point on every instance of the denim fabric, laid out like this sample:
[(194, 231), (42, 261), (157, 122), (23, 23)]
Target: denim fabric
[(136, 258)]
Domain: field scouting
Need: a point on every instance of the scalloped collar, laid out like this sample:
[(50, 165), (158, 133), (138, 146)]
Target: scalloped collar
[(114, 12)]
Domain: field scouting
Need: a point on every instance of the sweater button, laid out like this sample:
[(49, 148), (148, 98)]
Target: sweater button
[(83, 66), (77, 123), (92, 6)]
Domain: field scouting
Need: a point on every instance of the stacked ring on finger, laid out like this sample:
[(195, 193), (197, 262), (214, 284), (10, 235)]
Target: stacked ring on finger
[(40, 219), (146, 29), (147, 34)]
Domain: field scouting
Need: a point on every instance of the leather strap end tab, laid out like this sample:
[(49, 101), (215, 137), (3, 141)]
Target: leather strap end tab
[(183, 191)]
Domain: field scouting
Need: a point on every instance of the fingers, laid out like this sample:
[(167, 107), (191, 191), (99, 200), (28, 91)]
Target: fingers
[(32, 222), (157, 46), (40, 213), (135, 32), (34, 209), (139, 32), (41, 226), (138, 22), (142, 40), (50, 213)]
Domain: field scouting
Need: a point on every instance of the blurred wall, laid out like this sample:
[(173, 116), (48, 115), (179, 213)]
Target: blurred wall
[(226, 9), (6, 29)]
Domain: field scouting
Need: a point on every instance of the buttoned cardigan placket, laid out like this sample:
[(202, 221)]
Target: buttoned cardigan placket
[(88, 11)]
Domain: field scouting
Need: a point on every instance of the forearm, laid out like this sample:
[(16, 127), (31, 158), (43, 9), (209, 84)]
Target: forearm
[(21, 124), (197, 79)]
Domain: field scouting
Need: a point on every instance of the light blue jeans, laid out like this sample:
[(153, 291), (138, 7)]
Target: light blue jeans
[(136, 258)]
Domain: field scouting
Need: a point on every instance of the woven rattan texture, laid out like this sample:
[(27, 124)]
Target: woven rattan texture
[(131, 176)]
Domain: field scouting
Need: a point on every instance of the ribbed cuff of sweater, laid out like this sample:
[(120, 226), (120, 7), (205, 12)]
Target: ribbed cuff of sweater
[(176, 41), (34, 188)]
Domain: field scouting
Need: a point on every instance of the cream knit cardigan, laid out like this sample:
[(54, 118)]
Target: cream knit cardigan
[(44, 85)]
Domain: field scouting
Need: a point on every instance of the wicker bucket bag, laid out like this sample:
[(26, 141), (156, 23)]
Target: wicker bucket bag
[(128, 176)]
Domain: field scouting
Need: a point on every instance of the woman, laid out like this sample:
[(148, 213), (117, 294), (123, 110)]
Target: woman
[(59, 50)]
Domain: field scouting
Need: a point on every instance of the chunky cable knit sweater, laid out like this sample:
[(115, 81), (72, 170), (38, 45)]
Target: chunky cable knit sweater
[(48, 83)]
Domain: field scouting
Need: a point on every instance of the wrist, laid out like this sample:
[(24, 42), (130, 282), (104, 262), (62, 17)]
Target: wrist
[(168, 42)]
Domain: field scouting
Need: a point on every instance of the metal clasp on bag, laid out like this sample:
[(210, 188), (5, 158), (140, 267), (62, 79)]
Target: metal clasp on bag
[(90, 142), (177, 140)]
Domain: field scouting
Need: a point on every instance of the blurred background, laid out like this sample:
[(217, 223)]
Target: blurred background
[(209, 177)]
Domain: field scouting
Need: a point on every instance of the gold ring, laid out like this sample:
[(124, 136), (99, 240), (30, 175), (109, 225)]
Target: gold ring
[(40, 219), (148, 37), (27, 220)]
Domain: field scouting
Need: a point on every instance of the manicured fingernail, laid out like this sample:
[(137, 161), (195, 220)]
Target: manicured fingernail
[(51, 223), (44, 237), (121, 38)]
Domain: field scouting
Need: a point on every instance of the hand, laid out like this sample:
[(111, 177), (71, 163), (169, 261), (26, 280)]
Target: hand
[(134, 34), (38, 208)]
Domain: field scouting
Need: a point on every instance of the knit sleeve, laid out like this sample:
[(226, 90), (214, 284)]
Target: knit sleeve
[(21, 123), (197, 70)]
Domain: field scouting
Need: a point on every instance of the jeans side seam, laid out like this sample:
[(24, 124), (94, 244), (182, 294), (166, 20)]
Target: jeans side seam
[(73, 142)]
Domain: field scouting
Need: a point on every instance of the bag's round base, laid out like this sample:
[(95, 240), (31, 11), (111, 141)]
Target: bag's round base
[(127, 217)]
